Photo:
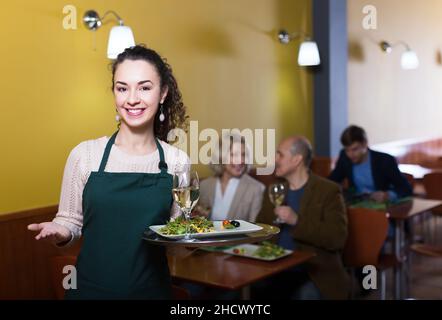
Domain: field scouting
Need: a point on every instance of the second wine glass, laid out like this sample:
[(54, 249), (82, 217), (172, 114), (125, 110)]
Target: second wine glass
[(277, 192), (186, 193)]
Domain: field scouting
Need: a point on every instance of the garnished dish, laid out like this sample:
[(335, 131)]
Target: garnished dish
[(201, 227), (269, 250), (178, 226)]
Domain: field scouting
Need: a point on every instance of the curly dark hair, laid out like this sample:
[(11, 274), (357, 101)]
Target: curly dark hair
[(173, 106)]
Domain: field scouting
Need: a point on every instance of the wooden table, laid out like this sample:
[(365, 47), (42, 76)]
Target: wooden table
[(224, 271), (398, 214), (412, 208)]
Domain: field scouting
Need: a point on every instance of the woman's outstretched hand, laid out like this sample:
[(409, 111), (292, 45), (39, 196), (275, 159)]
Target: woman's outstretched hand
[(51, 231)]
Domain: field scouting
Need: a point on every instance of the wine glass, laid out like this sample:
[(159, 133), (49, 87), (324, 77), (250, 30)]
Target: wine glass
[(277, 192), (186, 193)]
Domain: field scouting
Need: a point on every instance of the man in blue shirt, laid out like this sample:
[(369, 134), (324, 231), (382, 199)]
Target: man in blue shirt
[(368, 172)]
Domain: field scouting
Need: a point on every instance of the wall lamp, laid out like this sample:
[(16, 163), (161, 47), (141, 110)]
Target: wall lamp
[(409, 59), (120, 37), (308, 54)]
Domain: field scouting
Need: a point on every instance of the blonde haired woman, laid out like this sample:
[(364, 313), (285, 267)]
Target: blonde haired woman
[(231, 193)]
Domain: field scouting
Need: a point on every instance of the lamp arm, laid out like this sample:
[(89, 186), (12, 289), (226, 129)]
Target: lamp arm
[(299, 34), (120, 21), (285, 37), (407, 47)]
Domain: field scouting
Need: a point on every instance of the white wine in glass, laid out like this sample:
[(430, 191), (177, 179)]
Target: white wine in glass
[(186, 193), (186, 197), (277, 192)]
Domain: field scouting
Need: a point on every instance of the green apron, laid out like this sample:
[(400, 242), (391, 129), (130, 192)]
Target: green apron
[(114, 261)]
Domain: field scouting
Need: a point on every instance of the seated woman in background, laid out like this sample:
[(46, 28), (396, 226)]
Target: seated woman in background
[(231, 193)]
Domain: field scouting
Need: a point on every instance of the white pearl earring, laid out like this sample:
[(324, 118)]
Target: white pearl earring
[(162, 116), (117, 117)]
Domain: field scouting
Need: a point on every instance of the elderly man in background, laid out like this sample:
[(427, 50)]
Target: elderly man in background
[(315, 219)]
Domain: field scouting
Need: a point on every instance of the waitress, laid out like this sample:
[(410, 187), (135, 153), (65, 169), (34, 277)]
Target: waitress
[(114, 188)]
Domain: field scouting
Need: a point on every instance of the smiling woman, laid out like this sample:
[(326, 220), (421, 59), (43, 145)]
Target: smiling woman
[(112, 208), (135, 94)]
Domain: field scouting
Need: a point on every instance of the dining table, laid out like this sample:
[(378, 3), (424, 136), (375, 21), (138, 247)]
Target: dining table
[(218, 269)]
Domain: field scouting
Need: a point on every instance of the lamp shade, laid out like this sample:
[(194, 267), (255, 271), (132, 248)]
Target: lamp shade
[(308, 54), (120, 38), (409, 60)]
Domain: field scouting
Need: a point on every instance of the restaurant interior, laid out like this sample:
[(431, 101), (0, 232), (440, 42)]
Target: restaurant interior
[(281, 68)]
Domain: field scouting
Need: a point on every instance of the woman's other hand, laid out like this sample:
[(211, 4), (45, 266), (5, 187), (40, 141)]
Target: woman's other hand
[(51, 231)]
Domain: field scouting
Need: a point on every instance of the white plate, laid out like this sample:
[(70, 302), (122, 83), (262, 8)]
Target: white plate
[(249, 250), (244, 228)]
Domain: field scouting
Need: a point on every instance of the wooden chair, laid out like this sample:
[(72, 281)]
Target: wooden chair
[(57, 264), (367, 232), (433, 187), (322, 166), (410, 179)]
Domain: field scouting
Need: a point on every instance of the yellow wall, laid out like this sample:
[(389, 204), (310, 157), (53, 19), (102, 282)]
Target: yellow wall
[(56, 87), (389, 102)]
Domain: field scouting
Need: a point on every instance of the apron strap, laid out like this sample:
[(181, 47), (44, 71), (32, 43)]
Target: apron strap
[(162, 165), (107, 152)]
